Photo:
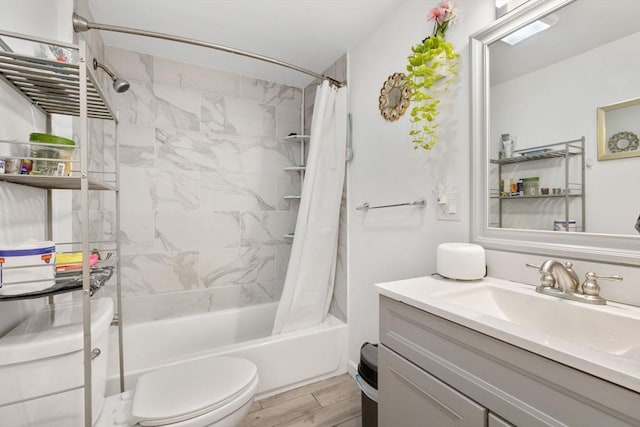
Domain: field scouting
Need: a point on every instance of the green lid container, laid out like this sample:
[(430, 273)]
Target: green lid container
[(50, 160), (46, 138)]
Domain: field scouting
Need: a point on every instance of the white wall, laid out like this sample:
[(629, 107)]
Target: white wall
[(552, 104), (397, 243), (49, 19)]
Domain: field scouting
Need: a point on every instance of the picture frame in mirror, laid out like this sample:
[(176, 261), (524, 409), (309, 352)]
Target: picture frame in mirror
[(618, 130)]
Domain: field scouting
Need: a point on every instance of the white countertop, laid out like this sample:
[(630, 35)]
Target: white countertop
[(423, 293)]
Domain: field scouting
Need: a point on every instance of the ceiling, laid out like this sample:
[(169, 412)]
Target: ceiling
[(312, 34), (582, 25)]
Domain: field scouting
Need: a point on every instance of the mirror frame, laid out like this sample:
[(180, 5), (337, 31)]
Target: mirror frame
[(610, 248), (396, 81)]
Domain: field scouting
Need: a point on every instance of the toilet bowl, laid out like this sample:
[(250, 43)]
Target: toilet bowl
[(42, 358)]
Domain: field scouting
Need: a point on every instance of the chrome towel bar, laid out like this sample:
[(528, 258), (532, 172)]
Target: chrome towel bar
[(421, 203)]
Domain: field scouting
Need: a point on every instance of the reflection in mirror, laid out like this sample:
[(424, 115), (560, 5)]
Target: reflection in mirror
[(394, 97), (618, 130), (544, 92), (534, 131)]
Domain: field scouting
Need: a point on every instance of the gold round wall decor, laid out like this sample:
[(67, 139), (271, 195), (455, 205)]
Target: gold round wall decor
[(394, 97)]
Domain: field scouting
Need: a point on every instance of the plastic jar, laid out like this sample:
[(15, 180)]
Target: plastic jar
[(55, 151)]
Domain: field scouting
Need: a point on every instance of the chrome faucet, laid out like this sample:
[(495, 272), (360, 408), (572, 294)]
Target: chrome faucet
[(566, 278), (560, 280)]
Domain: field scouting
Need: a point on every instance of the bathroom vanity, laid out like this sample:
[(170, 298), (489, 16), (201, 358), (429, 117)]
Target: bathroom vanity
[(484, 353)]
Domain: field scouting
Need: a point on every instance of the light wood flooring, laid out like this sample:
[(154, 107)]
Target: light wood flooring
[(334, 402)]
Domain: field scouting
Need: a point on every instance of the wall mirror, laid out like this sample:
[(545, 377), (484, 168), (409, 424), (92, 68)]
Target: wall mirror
[(394, 97), (540, 74)]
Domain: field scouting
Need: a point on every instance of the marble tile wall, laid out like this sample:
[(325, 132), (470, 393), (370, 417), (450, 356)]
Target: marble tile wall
[(203, 217)]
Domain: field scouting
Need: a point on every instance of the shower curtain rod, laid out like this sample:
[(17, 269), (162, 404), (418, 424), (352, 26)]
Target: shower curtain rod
[(81, 24)]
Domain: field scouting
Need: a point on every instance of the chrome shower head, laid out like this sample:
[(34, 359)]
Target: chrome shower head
[(119, 85)]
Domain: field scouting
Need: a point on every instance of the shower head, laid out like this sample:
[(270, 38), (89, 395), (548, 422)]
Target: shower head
[(119, 85)]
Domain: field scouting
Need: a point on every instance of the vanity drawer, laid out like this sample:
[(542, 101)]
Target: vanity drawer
[(524, 388), (410, 397)]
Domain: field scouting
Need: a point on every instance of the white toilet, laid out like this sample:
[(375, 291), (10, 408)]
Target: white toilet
[(41, 372)]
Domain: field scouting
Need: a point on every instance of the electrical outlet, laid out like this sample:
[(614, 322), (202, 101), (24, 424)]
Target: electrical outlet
[(448, 207)]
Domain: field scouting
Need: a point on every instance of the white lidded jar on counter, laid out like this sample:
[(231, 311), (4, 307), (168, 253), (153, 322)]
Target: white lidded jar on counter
[(461, 261)]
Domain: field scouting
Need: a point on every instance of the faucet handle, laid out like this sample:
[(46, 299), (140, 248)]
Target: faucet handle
[(546, 279), (590, 285)]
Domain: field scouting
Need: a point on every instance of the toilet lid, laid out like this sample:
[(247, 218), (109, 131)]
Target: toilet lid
[(187, 390)]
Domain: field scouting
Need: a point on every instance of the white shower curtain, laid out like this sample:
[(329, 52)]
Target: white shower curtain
[(308, 286)]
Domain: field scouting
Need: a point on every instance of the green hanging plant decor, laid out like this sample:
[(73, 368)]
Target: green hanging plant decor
[(431, 70)]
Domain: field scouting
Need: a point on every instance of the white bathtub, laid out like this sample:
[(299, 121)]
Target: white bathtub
[(284, 361)]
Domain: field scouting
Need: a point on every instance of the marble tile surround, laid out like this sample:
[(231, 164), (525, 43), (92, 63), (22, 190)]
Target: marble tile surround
[(202, 186)]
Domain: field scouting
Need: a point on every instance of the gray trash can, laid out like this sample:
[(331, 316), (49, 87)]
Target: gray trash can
[(367, 380)]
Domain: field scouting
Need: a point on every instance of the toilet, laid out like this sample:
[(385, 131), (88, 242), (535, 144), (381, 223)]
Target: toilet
[(43, 357)]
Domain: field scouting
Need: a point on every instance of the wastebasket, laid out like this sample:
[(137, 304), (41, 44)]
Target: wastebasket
[(367, 380)]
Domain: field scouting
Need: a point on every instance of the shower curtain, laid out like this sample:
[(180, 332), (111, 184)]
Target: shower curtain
[(308, 285)]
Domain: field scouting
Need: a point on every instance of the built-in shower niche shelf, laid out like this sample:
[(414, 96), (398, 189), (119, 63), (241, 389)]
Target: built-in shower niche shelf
[(296, 138), (302, 139)]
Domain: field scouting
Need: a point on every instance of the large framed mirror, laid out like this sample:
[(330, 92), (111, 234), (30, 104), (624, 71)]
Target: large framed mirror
[(539, 75)]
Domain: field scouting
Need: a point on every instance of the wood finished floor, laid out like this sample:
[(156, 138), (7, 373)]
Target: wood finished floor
[(334, 402)]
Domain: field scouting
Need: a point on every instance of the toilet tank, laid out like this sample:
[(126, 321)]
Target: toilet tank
[(41, 366)]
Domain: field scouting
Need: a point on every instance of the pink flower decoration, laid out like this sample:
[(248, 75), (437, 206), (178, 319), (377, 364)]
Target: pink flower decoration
[(442, 15), (435, 14)]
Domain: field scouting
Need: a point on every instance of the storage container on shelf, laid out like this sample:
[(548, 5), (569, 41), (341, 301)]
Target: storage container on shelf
[(31, 262), (56, 154)]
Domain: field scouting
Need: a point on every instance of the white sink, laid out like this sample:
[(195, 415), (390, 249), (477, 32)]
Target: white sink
[(609, 329), (603, 340)]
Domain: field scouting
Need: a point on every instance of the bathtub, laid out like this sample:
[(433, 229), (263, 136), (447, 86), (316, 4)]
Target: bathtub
[(284, 361)]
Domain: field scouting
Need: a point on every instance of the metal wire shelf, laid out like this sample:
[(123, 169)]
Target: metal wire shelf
[(98, 180), (54, 87), (63, 283)]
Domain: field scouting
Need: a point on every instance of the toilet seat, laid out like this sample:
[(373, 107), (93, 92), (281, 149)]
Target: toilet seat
[(197, 392)]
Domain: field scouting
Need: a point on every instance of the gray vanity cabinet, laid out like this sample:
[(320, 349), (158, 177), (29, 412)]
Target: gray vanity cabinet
[(410, 397), (434, 372), (496, 421)]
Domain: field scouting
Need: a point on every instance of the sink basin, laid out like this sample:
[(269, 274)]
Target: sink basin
[(609, 329), (602, 340)]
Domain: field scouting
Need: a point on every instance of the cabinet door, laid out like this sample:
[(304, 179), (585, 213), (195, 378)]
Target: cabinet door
[(410, 397), (496, 421)]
